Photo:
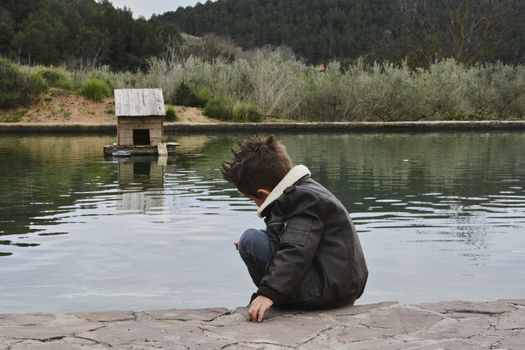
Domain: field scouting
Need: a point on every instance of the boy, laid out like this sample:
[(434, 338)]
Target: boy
[(309, 256)]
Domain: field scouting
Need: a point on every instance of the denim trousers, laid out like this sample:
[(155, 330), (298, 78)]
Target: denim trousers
[(255, 251)]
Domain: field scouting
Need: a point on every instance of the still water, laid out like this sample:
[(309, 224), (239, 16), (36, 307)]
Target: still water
[(440, 216)]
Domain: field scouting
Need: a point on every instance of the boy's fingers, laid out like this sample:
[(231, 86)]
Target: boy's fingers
[(253, 312), (262, 310)]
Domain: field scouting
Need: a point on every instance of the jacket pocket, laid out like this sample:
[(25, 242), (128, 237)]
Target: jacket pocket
[(296, 232)]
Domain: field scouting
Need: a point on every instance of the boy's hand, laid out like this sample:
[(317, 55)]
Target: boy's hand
[(258, 307)]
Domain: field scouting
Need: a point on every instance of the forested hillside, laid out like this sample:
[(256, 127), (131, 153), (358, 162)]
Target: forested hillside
[(320, 30), (80, 32)]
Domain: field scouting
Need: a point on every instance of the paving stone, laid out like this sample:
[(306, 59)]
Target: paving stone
[(386, 344), (247, 346), (146, 347), (323, 341), (467, 308), (62, 326), (516, 342), (490, 338), (354, 333), (277, 312), (284, 331), (514, 320), (400, 319), (383, 326), (514, 301), (450, 345), (188, 315), (155, 333), (56, 345), (5, 344), (106, 316), (457, 328), (358, 309), (231, 319), (25, 320)]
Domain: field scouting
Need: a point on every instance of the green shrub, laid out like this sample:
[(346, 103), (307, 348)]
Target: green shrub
[(219, 108), (56, 77), (14, 118), (476, 115), (18, 87), (31, 86), (226, 110), (95, 89), (245, 112), (202, 96), (171, 115), (186, 96)]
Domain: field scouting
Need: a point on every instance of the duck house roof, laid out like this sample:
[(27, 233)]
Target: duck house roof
[(139, 102)]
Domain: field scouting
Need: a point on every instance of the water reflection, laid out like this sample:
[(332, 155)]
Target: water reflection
[(136, 176), (440, 216)]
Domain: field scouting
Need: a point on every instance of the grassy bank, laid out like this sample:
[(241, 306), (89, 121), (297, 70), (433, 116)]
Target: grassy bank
[(272, 86)]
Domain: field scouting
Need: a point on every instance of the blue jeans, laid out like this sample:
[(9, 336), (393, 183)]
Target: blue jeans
[(254, 247)]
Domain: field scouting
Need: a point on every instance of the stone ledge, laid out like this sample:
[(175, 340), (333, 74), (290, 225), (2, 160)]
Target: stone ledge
[(426, 126), (450, 325)]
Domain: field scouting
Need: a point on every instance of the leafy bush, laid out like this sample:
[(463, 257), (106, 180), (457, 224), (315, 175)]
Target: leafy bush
[(186, 96), (95, 90), (14, 118), (18, 87), (202, 95), (219, 108), (171, 115), (476, 115), (288, 88), (226, 110), (245, 112), (56, 77)]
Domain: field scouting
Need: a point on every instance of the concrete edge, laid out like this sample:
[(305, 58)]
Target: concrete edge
[(417, 126)]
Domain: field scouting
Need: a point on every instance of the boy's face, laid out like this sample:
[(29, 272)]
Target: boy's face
[(258, 201), (263, 193)]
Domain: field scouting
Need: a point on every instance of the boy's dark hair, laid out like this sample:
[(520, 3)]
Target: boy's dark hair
[(257, 163)]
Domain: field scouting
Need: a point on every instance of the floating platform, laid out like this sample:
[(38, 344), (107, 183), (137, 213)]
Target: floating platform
[(139, 150)]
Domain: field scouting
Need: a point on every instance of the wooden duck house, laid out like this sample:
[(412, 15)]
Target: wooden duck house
[(140, 123)]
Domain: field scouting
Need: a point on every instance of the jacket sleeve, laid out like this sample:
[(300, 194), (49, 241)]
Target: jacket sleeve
[(296, 250)]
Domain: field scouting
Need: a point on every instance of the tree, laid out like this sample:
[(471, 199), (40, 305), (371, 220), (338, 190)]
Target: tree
[(42, 39), (80, 33), (468, 30), (8, 31)]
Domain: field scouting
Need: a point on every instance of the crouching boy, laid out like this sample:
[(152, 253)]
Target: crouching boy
[(309, 256)]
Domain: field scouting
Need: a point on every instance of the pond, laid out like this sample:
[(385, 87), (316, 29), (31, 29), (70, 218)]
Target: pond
[(440, 215)]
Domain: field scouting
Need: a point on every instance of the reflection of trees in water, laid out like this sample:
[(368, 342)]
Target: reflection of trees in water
[(400, 166), (50, 174), (381, 164), (205, 155), (405, 166), (42, 174)]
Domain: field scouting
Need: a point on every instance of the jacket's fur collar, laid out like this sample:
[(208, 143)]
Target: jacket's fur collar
[(295, 174)]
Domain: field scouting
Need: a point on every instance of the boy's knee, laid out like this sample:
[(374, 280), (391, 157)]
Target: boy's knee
[(248, 239)]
